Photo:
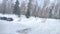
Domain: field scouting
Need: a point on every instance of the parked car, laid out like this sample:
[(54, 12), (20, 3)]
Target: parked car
[(3, 18), (9, 19)]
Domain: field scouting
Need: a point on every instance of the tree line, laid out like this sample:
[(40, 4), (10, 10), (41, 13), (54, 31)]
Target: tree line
[(29, 8)]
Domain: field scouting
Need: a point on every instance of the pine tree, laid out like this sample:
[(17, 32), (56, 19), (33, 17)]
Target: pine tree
[(28, 10), (16, 8), (28, 14)]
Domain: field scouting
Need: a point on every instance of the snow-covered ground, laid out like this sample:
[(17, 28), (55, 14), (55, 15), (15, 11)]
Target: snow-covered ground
[(32, 25)]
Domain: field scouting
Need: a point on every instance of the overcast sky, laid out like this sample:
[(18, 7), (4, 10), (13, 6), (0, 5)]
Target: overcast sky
[(41, 1), (1, 1)]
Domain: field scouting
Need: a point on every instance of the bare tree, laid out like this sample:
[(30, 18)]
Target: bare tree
[(50, 12), (46, 3), (44, 8), (4, 6), (23, 7), (35, 9), (9, 6)]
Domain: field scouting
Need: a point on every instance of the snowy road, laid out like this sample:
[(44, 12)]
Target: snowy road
[(30, 26)]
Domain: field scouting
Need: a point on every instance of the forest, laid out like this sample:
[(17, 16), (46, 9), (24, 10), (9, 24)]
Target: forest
[(36, 8)]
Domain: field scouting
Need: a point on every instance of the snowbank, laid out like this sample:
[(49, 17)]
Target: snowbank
[(32, 25)]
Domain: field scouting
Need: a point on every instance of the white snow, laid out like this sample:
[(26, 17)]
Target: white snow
[(32, 25)]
